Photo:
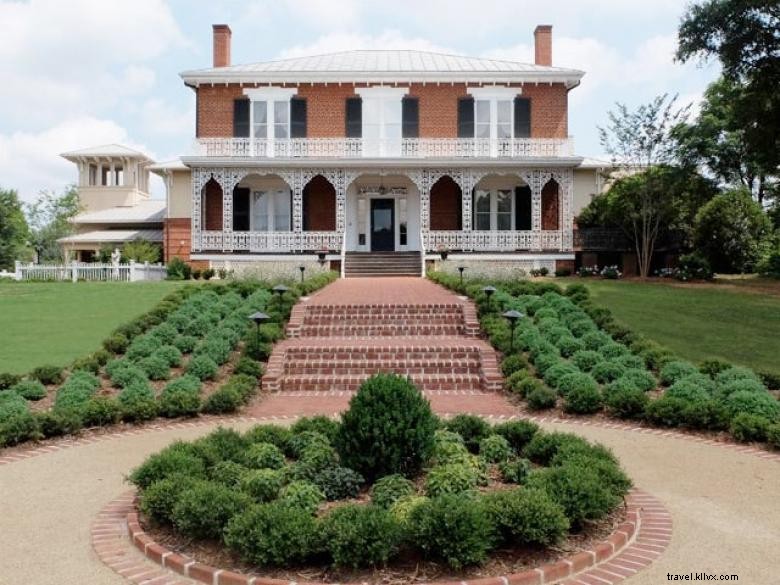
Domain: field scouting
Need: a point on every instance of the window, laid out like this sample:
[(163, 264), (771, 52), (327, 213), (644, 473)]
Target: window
[(503, 119), (482, 118), (281, 119), (494, 209), (119, 176), (93, 175), (270, 112), (493, 112), (260, 119), (105, 176), (270, 211), (382, 120)]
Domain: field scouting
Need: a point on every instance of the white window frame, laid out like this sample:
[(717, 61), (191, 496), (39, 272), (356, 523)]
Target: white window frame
[(493, 95), (271, 194), (382, 95), (493, 192), (269, 95)]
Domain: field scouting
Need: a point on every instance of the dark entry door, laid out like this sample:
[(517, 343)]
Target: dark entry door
[(382, 225)]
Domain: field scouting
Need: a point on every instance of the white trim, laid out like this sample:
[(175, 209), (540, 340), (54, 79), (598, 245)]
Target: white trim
[(382, 92), (494, 92), (262, 257), (507, 256), (493, 213), (264, 94)]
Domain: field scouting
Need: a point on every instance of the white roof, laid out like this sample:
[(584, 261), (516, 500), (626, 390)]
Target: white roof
[(589, 162), (168, 165), (149, 211), (379, 65), (106, 150), (111, 236)]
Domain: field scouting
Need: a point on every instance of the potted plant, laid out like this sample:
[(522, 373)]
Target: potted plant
[(321, 254), (443, 252)]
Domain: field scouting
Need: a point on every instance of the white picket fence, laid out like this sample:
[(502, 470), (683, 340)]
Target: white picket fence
[(90, 271)]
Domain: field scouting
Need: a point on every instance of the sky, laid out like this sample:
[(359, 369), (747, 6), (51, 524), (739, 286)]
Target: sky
[(80, 73)]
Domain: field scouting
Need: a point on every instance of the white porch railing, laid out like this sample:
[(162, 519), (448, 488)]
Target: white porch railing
[(271, 242), (408, 148), (90, 271), (494, 241)]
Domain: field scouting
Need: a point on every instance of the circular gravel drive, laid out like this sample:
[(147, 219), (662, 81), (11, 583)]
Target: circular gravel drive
[(724, 505)]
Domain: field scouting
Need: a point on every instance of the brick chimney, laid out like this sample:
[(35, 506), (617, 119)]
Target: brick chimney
[(222, 36), (543, 45)]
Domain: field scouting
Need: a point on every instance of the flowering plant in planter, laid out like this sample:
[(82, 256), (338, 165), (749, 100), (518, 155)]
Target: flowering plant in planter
[(611, 273), (443, 252), (586, 271)]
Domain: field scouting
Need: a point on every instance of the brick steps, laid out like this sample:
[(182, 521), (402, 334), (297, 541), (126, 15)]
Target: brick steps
[(381, 264), (351, 383), (298, 366), (382, 330)]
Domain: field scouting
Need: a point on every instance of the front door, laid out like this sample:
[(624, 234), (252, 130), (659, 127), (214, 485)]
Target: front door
[(382, 225)]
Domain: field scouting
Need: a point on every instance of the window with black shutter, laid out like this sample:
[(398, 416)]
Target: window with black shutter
[(523, 208), (410, 116), (466, 117), (354, 117), (241, 118), (298, 117), (522, 117)]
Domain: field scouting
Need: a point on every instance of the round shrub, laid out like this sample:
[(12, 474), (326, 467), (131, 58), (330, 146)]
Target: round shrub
[(704, 414), (178, 401), (158, 500), (272, 534), (402, 510), (576, 381), (587, 359), (595, 340), (137, 403), (117, 343), (494, 449), (569, 345), (274, 434), (454, 528), (142, 347), (202, 367), (613, 350), (169, 461), (747, 428), (57, 423), (388, 428), (18, 429), (360, 536), (248, 366), (339, 483), (323, 425), (29, 389), (630, 361), (541, 398), (264, 456), (11, 405), (227, 473), (583, 399), (553, 376), (526, 517), (687, 389), (666, 411), (625, 402), (303, 495), (226, 399), (156, 367), (301, 441), (512, 383), (185, 343), (676, 370), (47, 375), (512, 364), (203, 510), (544, 446), (517, 432), (263, 485), (101, 411), (389, 489), (735, 373), (525, 387), (472, 429), (726, 389), (514, 470), (757, 403), (450, 478), (216, 348), (642, 379), (222, 445), (606, 371), (314, 459), (170, 353)]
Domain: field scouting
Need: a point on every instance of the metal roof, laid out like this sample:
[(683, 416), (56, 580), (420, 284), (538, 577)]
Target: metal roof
[(150, 211), (105, 150), (111, 236)]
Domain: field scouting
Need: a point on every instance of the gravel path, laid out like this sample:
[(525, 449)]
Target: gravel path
[(724, 505)]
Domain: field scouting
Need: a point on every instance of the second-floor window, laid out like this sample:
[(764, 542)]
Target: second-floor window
[(494, 113), (271, 119)]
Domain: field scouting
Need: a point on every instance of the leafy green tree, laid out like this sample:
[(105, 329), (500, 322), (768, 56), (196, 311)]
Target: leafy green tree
[(141, 250), (744, 35), (13, 228), (49, 219), (733, 232)]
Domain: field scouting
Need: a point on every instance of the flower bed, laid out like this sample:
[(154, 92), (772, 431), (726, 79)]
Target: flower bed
[(179, 359), (570, 353), (388, 486)]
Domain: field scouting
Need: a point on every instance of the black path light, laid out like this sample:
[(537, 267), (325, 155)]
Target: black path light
[(461, 269), (488, 290), (513, 317), (302, 268), (258, 319), (280, 289)]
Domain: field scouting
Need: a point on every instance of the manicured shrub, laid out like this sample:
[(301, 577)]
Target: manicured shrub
[(473, 429), (204, 509), (158, 500), (87, 363), (248, 366), (517, 432), (526, 517), (202, 367), (666, 411), (569, 345), (704, 414), (127, 375), (388, 428), (513, 363), (545, 361), (514, 470), (137, 403), (100, 411), (314, 459), (18, 429), (226, 399), (450, 478), (553, 376), (170, 353), (11, 405), (228, 473), (757, 403), (688, 389), (360, 536), (263, 485), (142, 347), (57, 423), (274, 434), (171, 460), (541, 398), (726, 389), (583, 399), (7, 380), (642, 379), (300, 442), (264, 456), (319, 424), (544, 446), (613, 350), (747, 428), (606, 371), (735, 373), (339, 483), (512, 383), (587, 359), (30, 389), (185, 343), (179, 400), (272, 534), (156, 367), (391, 488), (576, 381), (494, 449), (222, 445), (713, 367), (454, 528), (47, 375), (217, 348), (304, 495), (773, 435), (525, 387), (625, 402), (595, 340), (676, 370)]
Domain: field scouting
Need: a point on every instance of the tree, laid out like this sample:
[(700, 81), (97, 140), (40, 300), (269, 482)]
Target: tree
[(13, 229), (744, 35), (141, 250), (49, 219), (640, 140), (733, 232), (717, 141)]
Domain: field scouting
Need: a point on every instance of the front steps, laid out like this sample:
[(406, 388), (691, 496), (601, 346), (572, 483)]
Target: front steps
[(379, 264)]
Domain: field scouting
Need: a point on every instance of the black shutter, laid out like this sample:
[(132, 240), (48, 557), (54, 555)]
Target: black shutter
[(241, 118), (523, 208), (522, 117), (240, 209), (466, 117), (410, 116), (298, 117), (354, 117)]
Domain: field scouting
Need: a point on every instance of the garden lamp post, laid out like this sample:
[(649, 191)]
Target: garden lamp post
[(488, 290), (302, 268), (280, 289), (461, 269), (258, 319), (513, 316)]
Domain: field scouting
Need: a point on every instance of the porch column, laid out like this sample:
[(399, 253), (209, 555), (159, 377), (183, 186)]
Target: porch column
[(535, 179), (227, 215), (566, 202), (466, 187), (198, 180)]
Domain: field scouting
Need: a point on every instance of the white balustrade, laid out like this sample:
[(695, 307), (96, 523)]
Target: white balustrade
[(493, 241), (271, 242)]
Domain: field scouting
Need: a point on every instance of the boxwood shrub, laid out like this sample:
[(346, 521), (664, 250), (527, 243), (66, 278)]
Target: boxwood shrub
[(202, 367), (137, 402), (676, 370), (29, 389), (263, 485), (625, 402), (360, 536), (303, 495), (541, 398), (339, 483), (517, 432), (264, 456), (607, 371), (514, 470), (747, 428), (642, 379), (47, 375), (583, 399), (526, 517), (391, 488), (158, 500), (204, 509), (494, 449)]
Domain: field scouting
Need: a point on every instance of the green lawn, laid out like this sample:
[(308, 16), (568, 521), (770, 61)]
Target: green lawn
[(54, 323), (699, 321)]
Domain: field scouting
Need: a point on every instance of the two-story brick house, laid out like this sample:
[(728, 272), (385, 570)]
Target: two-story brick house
[(378, 158)]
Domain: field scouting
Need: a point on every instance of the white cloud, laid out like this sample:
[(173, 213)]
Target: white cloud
[(335, 42), (326, 14), (30, 161), (161, 118)]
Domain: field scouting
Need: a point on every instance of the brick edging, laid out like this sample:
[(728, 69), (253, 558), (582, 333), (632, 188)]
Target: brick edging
[(632, 546)]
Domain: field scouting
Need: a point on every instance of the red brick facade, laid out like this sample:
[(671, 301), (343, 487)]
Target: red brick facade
[(550, 217), (438, 109), (445, 205), (212, 206), (319, 205), (177, 238)]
